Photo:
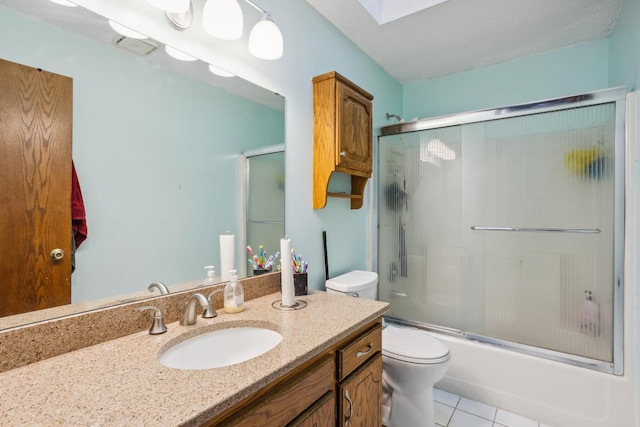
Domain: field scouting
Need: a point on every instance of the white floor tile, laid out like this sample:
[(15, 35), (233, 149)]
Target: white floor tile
[(465, 419), (477, 408), (510, 419), (442, 413), (445, 397)]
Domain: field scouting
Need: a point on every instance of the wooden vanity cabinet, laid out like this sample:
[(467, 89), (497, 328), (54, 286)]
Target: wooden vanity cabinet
[(282, 401), (343, 136), (360, 379), (341, 386)]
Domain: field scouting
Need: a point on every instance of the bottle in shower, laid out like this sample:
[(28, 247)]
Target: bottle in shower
[(589, 316)]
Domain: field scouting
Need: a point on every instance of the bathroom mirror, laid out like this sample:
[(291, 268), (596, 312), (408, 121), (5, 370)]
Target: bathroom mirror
[(157, 145)]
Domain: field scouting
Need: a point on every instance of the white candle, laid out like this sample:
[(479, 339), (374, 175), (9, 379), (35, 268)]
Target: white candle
[(286, 273), (227, 251)]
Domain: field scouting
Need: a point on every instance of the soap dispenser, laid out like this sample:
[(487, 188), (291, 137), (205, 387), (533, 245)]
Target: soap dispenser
[(233, 294), (589, 315), (211, 273)]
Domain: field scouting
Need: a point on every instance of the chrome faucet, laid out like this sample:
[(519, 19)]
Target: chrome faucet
[(159, 286), (190, 316), (210, 311)]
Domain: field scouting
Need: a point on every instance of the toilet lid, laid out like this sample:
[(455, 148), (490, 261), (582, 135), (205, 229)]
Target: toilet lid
[(413, 345)]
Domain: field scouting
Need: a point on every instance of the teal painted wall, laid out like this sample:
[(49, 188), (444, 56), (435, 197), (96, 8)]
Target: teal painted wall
[(575, 69), (624, 58)]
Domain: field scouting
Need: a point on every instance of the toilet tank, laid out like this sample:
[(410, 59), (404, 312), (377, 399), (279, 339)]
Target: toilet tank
[(356, 283)]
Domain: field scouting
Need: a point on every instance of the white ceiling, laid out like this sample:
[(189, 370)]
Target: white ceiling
[(459, 35)]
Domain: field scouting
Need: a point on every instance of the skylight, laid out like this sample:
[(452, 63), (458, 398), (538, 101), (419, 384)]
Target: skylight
[(385, 11)]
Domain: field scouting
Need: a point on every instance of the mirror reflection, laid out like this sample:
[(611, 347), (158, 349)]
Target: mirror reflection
[(264, 208), (158, 149)]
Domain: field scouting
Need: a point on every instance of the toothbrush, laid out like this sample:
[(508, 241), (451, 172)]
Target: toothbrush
[(269, 264), (256, 260)]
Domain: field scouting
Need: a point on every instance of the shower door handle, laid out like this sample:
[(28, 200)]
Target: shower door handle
[(539, 230)]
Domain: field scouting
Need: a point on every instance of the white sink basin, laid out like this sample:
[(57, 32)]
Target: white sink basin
[(220, 348)]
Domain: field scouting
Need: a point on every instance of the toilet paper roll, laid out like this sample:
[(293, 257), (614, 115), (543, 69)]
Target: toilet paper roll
[(227, 252), (286, 274)]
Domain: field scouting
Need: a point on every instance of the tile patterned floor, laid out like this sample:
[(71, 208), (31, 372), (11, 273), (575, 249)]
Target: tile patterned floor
[(452, 410)]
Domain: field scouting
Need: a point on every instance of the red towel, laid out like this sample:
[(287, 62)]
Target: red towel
[(78, 216)]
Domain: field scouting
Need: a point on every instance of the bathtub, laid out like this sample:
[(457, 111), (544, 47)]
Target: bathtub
[(554, 393)]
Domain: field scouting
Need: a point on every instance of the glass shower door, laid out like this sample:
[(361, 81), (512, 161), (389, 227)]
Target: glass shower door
[(504, 229)]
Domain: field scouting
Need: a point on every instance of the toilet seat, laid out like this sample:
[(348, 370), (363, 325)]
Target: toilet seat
[(413, 346)]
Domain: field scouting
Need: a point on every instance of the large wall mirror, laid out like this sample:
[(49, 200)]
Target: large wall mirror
[(158, 147)]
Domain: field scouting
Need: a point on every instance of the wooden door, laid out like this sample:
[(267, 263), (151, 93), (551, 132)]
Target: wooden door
[(35, 188), (361, 396)]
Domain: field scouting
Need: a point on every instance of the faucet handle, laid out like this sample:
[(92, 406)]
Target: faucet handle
[(158, 326), (210, 312)]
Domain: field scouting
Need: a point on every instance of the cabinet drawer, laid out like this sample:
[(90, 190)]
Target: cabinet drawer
[(284, 403), (359, 351)]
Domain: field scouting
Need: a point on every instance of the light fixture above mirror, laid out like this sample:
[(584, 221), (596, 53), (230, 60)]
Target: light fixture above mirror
[(219, 71), (265, 39), (224, 20), (179, 55), (172, 6)]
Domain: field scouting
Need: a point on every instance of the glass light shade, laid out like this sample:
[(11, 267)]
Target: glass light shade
[(222, 19), (265, 40), (172, 6), (64, 3), (219, 71), (179, 55), (127, 32)]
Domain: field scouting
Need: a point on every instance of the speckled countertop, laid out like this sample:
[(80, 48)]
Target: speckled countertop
[(121, 382)]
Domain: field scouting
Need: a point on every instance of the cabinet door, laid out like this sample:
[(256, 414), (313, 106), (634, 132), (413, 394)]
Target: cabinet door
[(285, 402), (361, 396), (320, 414), (354, 128)]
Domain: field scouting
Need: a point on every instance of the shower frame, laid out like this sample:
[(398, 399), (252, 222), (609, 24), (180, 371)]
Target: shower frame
[(613, 95)]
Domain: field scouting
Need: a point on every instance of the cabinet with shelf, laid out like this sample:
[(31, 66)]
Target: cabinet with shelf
[(343, 137)]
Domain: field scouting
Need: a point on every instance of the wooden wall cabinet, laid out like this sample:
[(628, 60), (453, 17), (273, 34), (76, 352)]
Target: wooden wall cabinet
[(340, 387), (343, 136)]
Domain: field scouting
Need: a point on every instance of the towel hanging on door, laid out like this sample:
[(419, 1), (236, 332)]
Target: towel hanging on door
[(78, 214)]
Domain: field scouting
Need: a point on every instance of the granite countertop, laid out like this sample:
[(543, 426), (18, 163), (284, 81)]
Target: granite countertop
[(121, 382)]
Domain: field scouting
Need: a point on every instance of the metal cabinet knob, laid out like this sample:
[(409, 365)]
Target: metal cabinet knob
[(343, 154), (57, 254)]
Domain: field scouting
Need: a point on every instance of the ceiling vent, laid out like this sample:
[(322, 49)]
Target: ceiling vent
[(137, 46)]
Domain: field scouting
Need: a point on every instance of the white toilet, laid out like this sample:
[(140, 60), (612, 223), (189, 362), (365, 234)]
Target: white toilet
[(413, 360)]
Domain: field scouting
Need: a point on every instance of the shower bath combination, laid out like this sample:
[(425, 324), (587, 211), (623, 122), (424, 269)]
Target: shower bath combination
[(494, 223)]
